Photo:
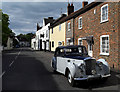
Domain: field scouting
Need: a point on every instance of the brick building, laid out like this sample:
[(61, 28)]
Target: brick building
[(100, 21)]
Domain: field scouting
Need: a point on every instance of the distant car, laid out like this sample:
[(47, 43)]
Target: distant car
[(75, 63), (17, 46)]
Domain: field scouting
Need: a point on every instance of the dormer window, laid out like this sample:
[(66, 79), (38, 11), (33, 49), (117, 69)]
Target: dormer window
[(104, 13)]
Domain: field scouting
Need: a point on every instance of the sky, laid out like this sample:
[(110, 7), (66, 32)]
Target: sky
[(24, 16)]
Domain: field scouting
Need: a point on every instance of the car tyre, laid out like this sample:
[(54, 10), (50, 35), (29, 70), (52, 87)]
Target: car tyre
[(70, 79)]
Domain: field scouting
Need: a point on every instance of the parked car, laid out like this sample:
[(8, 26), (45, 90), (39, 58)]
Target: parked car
[(75, 63)]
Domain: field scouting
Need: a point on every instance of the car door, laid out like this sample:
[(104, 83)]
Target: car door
[(61, 62)]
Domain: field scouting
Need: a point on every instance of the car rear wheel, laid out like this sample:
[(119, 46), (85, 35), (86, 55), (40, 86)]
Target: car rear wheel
[(70, 79)]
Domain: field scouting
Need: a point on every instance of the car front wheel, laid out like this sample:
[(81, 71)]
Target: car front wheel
[(70, 79)]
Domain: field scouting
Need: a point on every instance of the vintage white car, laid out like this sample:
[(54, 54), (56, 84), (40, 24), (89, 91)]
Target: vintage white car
[(75, 63)]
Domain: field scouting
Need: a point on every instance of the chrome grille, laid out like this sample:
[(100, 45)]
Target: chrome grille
[(90, 66)]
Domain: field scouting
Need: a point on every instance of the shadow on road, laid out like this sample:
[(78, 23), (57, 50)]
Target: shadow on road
[(27, 73), (30, 73)]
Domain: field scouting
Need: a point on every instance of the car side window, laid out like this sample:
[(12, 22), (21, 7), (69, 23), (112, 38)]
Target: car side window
[(59, 52)]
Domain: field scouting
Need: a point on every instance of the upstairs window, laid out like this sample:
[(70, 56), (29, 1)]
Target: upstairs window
[(52, 30), (46, 33), (69, 26), (80, 23), (104, 45), (60, 27), (104, 13)]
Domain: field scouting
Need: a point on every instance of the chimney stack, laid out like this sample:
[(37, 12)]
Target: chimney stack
[(50, 17), (84, 3), (70, 8)]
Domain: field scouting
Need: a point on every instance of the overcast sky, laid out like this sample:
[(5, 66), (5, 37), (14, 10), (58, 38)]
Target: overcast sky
[(25, 15)]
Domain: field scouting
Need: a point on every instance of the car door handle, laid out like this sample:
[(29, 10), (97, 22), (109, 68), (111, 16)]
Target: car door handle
[(68, 60)]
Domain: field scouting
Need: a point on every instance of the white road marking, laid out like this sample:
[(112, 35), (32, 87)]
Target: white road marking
[(16, 57), (2, 74), (11, 63), (118, 76), (19, 53)]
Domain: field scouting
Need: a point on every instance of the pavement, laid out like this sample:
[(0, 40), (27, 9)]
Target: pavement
[(26, 70)]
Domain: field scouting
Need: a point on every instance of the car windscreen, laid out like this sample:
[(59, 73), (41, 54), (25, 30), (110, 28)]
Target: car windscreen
[(75, 51)]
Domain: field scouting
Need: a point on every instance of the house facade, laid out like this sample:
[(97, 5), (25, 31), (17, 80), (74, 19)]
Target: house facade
[(42, 35), (70, 25), (100, 22), (10, 43), (33, 43), (57, 33)]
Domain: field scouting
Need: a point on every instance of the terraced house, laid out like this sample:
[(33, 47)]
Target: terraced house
[(96, 26), (57, 33)]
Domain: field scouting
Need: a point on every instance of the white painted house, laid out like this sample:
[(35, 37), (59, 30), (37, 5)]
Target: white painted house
[(42, 35), (33, 43)]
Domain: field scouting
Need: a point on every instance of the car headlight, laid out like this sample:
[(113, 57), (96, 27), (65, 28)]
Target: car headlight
[(93, 72), (81, 67), (100, 64)]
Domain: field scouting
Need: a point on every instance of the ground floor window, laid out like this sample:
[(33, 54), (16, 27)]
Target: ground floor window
[(80, 41), (69, 41), (52, 43), (104, 45)]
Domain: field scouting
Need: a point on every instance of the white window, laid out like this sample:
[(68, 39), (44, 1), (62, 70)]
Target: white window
[(80, 23), (104, 45), (59, 27), (104, 13), (46, 33), (69, 26), (80, 41)]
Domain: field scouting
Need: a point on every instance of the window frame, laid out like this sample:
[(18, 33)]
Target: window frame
[(79, 26), (59, 27), (104, 53), (102, 13), (79, 40), (69, 26), (52, 30), (52, 44)]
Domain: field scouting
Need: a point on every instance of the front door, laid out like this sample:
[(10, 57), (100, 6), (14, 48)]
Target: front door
[(90, 52), (40, 44)]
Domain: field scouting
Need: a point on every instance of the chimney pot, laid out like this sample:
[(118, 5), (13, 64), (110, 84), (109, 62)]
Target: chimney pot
[(70, 9), (50, 17), (84, 3)]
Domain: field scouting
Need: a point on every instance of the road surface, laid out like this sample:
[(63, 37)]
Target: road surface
[(25, 69)]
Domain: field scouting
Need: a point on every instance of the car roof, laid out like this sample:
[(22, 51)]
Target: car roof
[(70, 46)]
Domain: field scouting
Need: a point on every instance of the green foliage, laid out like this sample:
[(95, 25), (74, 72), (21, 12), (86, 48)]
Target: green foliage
[(6, 31), (25, 37)]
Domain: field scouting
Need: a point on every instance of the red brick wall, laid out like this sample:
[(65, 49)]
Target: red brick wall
[(119, 36), (91, 26)]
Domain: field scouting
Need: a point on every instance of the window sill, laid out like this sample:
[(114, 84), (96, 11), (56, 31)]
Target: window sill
[(104, 21), (104, 54), (80, 28)]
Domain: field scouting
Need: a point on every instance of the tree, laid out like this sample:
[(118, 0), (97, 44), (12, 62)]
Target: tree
[(6, 31), (25, 37)]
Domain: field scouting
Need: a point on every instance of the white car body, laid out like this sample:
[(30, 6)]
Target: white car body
[(80, 67)]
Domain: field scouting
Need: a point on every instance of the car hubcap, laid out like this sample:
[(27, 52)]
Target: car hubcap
[(69, 78)]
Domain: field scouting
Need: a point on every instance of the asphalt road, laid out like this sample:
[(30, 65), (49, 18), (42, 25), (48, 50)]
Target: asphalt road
[(25, 69)]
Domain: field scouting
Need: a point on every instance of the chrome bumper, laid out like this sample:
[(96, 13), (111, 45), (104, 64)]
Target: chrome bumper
[(92, 77)]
